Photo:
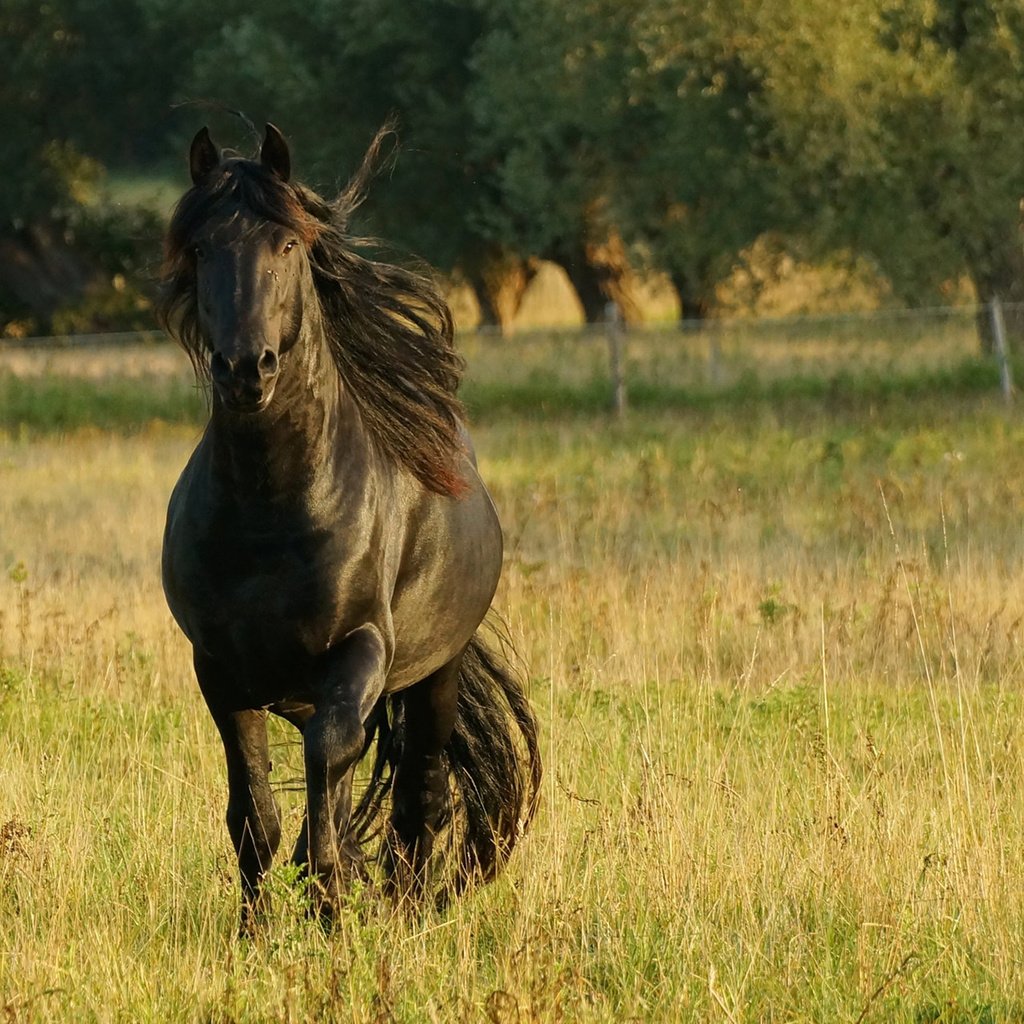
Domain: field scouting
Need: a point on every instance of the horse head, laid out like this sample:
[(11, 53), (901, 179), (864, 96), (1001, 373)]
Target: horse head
[(249, 271), (257, 264)]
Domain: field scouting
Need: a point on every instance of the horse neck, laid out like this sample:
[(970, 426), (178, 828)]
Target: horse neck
[(287, 452)]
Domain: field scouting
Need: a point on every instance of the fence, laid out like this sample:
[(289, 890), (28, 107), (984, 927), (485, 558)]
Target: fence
[(722, 356), (620, 365)]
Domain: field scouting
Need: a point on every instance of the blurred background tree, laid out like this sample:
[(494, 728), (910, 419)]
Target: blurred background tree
[(895, 128), (620, 140)]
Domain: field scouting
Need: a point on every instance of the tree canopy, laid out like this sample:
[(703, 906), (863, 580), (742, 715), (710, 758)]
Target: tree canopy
[(607, 135)]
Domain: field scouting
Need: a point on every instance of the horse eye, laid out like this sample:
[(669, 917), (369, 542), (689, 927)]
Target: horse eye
[(199, 251), (288, 248)]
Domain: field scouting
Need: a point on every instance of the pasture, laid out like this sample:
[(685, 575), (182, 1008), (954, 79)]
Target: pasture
[(775, 644)]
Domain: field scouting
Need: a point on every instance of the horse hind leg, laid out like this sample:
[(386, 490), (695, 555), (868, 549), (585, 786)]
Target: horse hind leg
[(420, 792)]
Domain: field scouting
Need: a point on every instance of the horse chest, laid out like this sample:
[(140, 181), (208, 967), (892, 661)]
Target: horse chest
[(267, 604)]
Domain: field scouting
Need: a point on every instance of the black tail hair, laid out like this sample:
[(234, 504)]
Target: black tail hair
[(494, 768)]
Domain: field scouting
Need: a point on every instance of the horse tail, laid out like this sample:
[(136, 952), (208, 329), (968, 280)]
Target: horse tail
[(494, 771), (494, 757)]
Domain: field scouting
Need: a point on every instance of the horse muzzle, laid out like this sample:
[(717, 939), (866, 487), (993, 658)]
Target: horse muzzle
[(245, 383)]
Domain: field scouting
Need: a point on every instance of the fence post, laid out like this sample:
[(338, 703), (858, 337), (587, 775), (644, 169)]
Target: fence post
[(613, 326), (714, 358), (1002, 349)]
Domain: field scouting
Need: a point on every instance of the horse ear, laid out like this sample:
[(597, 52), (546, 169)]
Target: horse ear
[(274, 153), (203, 156)]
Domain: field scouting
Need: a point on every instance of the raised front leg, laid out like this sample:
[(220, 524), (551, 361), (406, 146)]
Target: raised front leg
[(253, 817), (333, 740), (420, 792)]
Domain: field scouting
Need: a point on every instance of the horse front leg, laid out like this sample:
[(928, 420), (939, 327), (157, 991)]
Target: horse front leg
[(333, 740), (253, 817)]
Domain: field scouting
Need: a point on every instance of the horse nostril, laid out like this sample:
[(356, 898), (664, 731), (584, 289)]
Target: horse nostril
[(220, 368), (268, 363)]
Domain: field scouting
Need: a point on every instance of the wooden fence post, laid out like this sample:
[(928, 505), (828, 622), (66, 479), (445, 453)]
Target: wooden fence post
[(1002, 349), (613, 325)]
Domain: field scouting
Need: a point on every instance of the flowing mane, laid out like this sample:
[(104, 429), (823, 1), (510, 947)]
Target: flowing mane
[(388, 329)]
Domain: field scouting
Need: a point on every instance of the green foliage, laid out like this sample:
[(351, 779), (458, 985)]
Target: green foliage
[(773, 608), (121, 243), (41, 171), (894, 128), (330, 75), (122, 238), (692, 186), (888, 131)]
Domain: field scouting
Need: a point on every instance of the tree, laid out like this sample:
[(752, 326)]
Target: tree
[(896, 128), (977, 191), (547, 99), (693, 185), (44, 174), (599, 134), (623, 135), (332, 75), (67, 112), (40, 169)]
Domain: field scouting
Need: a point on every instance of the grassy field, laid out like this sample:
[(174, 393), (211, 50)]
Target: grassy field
[(774, 640)]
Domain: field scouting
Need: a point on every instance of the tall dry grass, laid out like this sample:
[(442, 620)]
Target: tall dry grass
[(777, 658)]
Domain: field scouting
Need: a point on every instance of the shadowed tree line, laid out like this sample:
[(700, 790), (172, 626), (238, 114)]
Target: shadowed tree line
[(613, 137)]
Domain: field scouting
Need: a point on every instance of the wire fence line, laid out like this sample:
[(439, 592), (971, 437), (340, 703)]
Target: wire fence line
[(713, 355), (796, 321), (111, 339), (744, 354)]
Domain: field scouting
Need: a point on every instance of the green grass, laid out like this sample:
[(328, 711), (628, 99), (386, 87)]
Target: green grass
[(51, 403), (157, 191), (541, 394), (748, 864), (54, 405)]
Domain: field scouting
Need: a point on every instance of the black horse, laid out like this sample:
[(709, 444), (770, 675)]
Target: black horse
[(330, 550)]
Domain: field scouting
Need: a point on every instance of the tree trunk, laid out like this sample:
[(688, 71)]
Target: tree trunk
[(586, 282), (600, 273), (1001, 273), (39, 273), (694, 304), (499, 280)]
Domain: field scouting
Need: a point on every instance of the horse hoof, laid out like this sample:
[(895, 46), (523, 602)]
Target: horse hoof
[(352, 866)]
